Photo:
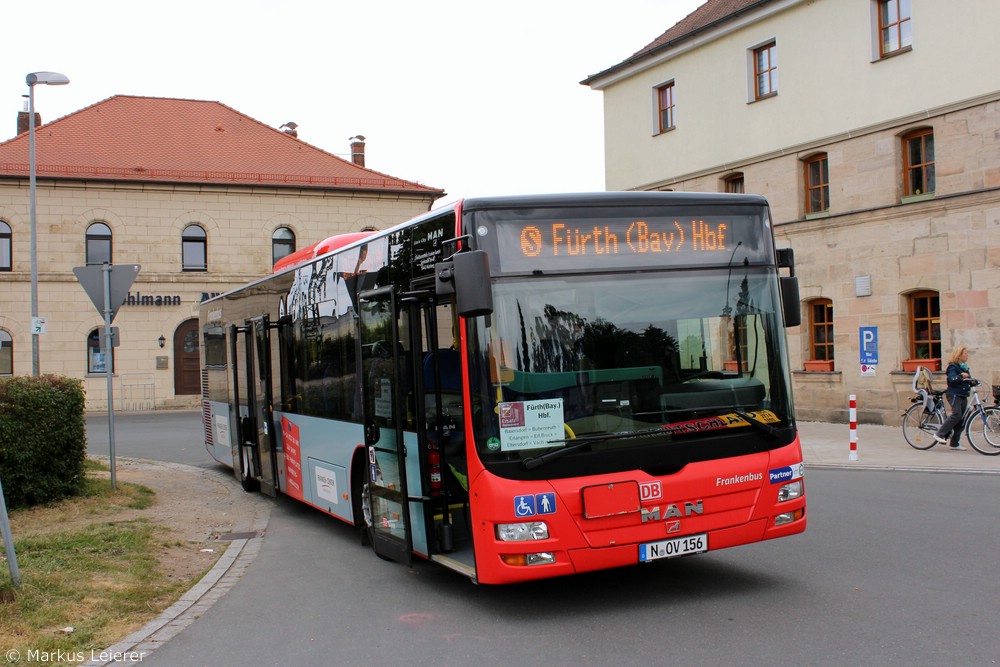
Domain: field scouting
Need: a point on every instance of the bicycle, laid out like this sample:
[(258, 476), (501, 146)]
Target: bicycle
[(984, 422), (980, 423)]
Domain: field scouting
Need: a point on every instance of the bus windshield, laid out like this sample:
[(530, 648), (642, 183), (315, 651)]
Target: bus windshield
[(595, 373)]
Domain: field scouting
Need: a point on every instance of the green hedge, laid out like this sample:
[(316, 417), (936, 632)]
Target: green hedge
[(43, 439)]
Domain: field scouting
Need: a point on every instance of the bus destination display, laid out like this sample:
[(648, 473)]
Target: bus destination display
[(640, 242)]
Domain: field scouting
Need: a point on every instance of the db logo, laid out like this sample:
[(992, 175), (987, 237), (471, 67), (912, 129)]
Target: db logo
[(650, 491)]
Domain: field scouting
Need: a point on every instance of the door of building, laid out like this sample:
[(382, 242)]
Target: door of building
[(187, 364)]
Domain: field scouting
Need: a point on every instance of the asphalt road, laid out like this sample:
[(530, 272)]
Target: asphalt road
[(895, 568), (166, 435)]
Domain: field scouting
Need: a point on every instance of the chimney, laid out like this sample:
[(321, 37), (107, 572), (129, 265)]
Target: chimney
[(23, 119), (358, 150)]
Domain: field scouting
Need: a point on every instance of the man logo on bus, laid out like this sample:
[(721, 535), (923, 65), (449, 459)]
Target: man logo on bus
[(672, 511)]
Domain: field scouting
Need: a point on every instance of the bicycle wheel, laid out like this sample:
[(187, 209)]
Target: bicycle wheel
[(919, 427), (983, 431)]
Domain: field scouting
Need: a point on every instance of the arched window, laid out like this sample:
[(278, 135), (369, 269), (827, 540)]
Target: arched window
[(925, 325), (6, 353), (96, 362), (98, 244), (194, 249), (5, 247), (733, 183), (282, 243)]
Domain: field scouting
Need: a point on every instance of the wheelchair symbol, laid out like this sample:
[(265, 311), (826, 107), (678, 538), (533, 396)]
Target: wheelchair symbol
[(524, 506)]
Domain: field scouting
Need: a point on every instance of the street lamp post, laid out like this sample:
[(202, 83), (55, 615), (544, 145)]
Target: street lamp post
[(51, 79)]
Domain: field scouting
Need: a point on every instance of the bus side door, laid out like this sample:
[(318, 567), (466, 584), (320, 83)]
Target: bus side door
[(382, 380), (256, 438)]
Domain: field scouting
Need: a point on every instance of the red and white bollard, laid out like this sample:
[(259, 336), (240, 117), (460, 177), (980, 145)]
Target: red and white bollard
[(853, 456)]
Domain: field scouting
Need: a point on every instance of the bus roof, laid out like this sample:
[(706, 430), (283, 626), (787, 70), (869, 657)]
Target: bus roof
[(313, 251), (618, 198), (625, 198)]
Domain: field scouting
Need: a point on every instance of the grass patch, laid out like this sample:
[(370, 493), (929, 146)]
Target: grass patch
[(88, 565)]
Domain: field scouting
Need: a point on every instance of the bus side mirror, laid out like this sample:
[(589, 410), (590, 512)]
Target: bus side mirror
[(467, 276), (789, 286)]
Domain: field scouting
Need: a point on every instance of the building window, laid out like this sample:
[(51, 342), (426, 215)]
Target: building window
[(817, 184), (98, 244), (282, 244), (665, 106), (96, 363), (733, 183), (925, 325), (894, 31), (821, 330), (918, 163), (5, 247), (6, 353), (765, 70), (194, 249)]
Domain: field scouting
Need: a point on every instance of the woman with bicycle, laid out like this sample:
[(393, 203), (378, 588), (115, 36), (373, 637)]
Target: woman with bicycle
[(959, 384)]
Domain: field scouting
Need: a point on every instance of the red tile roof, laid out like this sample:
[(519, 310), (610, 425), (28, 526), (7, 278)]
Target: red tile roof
[(708, 15), (151, 139)]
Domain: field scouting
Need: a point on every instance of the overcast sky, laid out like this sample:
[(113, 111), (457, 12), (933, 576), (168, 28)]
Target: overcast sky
[(472, 97)]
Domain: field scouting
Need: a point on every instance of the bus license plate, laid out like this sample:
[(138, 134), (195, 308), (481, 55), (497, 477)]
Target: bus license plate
[(679, 546)]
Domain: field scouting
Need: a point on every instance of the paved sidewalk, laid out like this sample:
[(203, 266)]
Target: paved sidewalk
[(883, 447)]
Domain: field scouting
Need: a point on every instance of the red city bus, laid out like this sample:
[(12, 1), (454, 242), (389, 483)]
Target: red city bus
[(524, 387)]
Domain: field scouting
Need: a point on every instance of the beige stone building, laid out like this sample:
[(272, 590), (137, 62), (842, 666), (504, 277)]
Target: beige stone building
[(873, 127), (202, 197)]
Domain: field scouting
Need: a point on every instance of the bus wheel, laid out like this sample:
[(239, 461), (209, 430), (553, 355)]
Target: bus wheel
[(247, 480)]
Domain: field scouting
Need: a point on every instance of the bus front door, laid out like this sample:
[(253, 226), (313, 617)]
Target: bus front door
[(257, 464), (383, 375)]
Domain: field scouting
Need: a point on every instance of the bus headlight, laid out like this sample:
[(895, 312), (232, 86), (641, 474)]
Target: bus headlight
[(790, 491), (524, 560), (789, 517), (522, 532)]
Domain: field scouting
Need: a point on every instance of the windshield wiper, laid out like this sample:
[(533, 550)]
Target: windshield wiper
[(763, 427), (581, 442)]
